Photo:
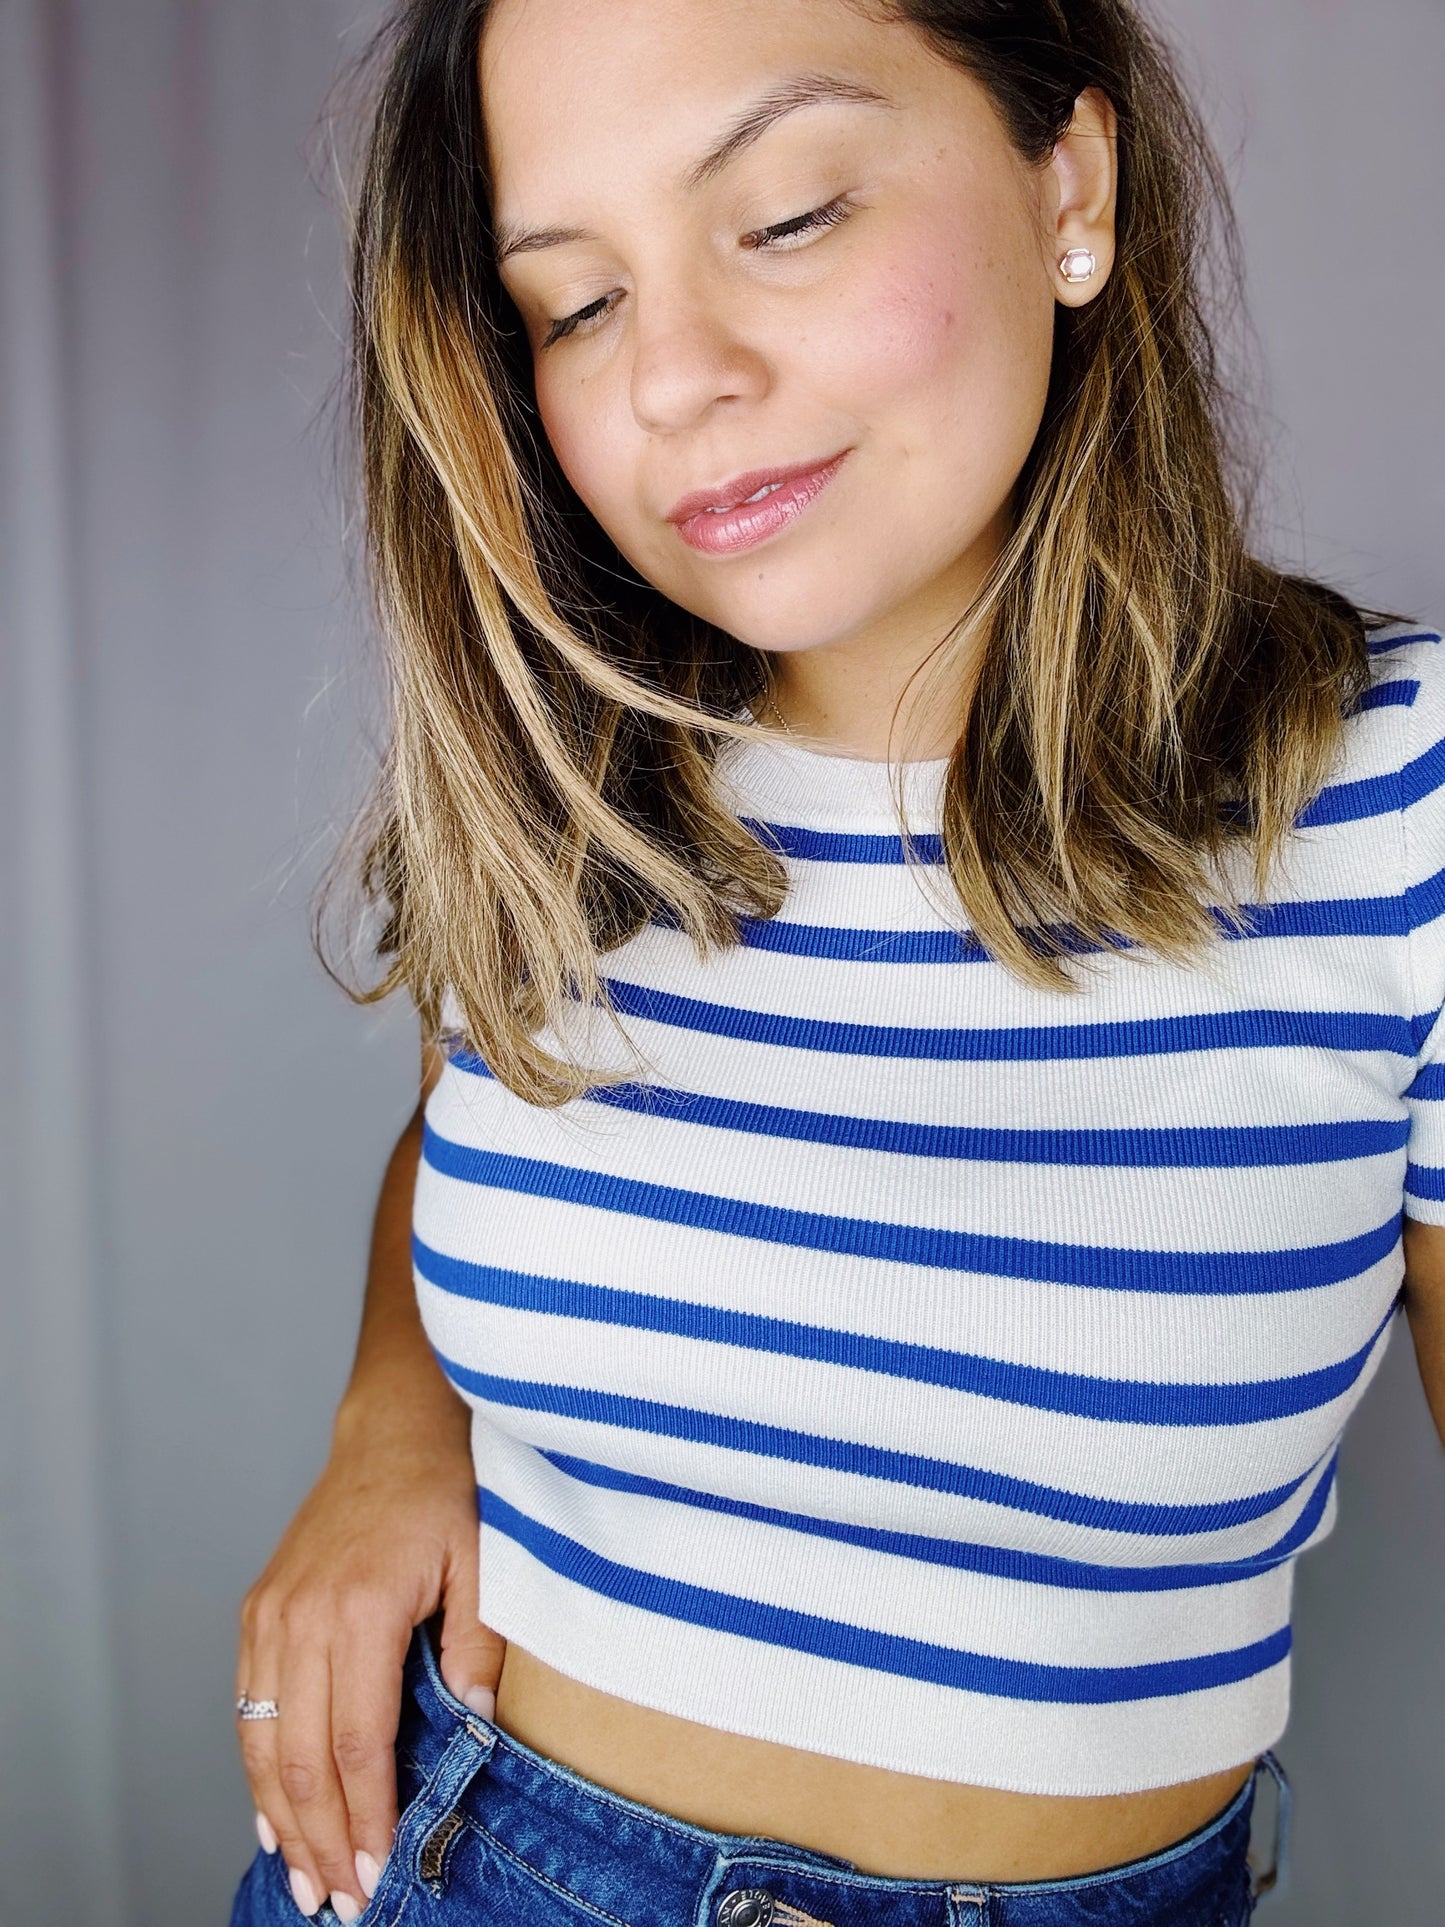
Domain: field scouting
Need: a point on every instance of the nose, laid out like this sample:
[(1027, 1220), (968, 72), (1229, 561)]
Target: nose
[(692, 347)]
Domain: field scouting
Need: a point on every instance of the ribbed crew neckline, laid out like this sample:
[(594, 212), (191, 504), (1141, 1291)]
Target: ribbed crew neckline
[(781, 781)]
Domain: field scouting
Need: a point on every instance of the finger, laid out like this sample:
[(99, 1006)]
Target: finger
[(258, 1664), (276, 1824), (322, 1853), (471, 1653), (366, 1678)]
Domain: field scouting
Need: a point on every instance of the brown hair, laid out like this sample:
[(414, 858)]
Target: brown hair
[(1150, 694)]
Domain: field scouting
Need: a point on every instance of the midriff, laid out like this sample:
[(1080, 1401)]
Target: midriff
[(894, 1824)]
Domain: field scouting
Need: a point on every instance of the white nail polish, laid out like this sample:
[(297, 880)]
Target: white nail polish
[(303, 1893), (481, 1701), (367, 1874), (264, 1832), (344, 1907)]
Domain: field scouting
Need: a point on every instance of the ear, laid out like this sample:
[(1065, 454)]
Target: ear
[(1081, 191)]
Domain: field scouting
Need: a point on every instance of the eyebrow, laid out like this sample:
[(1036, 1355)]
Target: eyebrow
[(799, 90)]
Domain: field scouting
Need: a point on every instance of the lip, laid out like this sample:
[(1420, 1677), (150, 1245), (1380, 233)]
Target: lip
[(743, 524)]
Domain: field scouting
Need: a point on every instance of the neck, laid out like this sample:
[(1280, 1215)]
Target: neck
[(850, 711), (860, 697)]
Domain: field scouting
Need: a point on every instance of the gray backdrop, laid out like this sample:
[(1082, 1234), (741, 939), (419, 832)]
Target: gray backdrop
[(196, 1121)]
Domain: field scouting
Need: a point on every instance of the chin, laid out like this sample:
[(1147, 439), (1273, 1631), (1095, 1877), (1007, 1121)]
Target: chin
[(789, 616)]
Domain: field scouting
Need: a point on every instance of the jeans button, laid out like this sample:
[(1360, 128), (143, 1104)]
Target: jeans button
[(748, 1907)]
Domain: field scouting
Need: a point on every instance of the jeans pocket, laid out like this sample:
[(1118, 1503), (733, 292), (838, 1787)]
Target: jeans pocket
[(429, 1850), (411, 1785), (264, 1897)]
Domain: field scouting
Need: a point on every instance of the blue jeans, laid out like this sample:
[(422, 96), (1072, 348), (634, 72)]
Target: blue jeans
[(491, 1831)]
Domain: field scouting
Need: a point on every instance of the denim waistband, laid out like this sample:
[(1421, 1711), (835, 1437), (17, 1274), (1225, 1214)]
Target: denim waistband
[(632, 1863)]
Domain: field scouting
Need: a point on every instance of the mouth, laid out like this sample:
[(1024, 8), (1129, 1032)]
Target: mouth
[(752, 508)]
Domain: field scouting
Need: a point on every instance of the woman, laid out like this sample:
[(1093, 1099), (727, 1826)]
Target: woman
[(928, 956)]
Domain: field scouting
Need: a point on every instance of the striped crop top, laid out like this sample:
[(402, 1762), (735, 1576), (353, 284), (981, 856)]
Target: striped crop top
[(918, 1367)]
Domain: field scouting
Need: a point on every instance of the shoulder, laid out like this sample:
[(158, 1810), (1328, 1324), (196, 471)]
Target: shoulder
[(1407, 665), (1408, 677), (1408, 685), (1392, 755), (1376, 829)]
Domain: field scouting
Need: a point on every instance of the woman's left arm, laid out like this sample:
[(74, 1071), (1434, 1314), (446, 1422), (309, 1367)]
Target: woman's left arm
[(1425, 1308)]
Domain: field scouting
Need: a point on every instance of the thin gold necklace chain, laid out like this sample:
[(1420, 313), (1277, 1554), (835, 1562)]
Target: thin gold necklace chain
[(779, 714)]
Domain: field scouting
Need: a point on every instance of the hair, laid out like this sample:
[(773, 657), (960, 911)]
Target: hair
[(1149, 696)]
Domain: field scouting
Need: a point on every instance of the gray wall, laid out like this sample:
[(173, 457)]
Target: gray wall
[(196, 1120)]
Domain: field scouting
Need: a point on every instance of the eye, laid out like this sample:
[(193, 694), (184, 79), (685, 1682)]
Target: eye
[(560, 330), (761, 241)]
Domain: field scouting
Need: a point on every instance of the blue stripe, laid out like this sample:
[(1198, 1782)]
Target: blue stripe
[(1426, 1181), (1351, 802), (1115, 1400), (1425, 901), (865, 1461), (878, 1651), (1185, 1147), (842, 846), (1107, 1267), (1391, 915), (1421, 1027), (1345, 1030), (842, 945), (1373, 916), (1429, 1083), (1380, 646), (1399, 694), (998, 1562), (1337, 803), (1378, 795)]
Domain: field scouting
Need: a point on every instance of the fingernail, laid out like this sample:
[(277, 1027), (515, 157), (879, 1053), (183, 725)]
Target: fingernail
[(480, 1701), (367, 1873), (344, 1907), (264, 1832), (303, 1892)]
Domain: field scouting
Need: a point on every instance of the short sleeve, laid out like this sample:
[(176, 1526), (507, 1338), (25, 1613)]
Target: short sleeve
[(1422, 803)]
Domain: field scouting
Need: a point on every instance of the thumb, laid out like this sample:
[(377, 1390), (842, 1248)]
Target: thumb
[(471, 1653)]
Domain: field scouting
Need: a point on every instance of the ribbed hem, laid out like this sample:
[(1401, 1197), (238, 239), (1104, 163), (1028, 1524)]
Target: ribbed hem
[(872, 1718)]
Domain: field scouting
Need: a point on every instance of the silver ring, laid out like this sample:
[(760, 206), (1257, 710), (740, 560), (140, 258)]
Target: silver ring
[(250, 1709)]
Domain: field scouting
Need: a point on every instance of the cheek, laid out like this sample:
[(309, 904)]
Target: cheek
[(954, 337), (580, 433)]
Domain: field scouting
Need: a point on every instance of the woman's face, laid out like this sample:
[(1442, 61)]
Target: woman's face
[(908, 331)]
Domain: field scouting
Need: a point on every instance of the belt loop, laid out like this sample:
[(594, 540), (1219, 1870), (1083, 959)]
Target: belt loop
[(1276, 1875), (431, 1823), (967, 1906)]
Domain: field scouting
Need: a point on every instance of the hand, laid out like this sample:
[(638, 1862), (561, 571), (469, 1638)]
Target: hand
[(387, 1533)]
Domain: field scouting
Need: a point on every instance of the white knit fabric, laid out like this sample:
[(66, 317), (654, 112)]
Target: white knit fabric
[(925, 1369)]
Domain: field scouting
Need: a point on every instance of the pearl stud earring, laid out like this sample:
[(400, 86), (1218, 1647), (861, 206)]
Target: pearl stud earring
[(1078, 265)]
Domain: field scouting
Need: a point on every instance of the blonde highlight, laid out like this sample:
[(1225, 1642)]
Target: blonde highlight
[(1149, 696)]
